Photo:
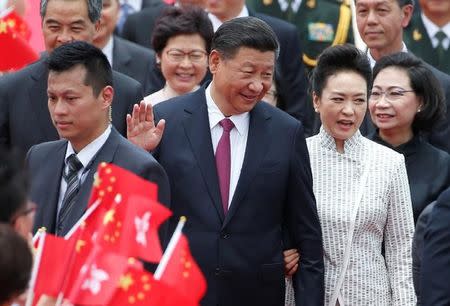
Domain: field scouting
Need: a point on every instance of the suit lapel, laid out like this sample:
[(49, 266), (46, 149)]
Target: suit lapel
[(121, 57), (105, 154), (196, 126), (54, 174), (38, 100), (257, 141)]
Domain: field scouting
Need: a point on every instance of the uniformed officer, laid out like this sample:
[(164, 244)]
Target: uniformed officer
[(428, 34), (321, 23)]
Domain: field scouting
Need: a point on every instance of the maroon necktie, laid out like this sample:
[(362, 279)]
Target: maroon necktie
[(223, 161)]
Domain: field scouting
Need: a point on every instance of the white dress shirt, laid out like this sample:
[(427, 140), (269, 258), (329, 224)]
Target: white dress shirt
[(216, 22), (108, 50), (373, 61), (85, 156), (135, 4), (432, 29), (238, 138)]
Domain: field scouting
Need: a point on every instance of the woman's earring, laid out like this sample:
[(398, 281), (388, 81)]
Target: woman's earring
[(316, 109)]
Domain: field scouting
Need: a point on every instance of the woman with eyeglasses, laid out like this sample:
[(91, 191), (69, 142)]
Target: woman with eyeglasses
[(407, 101), (361, 190), (182, 41)]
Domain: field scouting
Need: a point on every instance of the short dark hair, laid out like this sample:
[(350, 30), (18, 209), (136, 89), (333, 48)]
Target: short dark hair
[(15, 264), (94, 8), (337, 59), (250, 32), (14, 184), (425, 85), (98, 69), (176, 21)]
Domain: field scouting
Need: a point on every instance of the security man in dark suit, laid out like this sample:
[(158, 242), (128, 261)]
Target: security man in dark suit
[(320, 23), (24, 117), (80, 95)]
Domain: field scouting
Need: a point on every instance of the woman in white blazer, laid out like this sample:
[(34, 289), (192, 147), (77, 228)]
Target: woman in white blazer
[(362, 192)]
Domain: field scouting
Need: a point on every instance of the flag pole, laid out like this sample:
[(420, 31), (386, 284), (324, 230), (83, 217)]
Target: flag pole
[(38, 234), (170, 247), (88, 212), (34, 272)]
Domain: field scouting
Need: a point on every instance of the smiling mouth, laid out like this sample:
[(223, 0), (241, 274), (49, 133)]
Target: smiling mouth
[(384, 116)]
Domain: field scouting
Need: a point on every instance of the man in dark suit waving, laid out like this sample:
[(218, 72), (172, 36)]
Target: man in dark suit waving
[(239, 170), (80, 95), (24, 118)]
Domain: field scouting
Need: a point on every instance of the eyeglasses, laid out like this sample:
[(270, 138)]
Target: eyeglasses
[(31, 208), (391, 95), (177, 55)]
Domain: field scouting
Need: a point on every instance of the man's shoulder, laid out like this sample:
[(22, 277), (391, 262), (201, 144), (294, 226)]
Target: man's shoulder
[(45, 149), (124, 82), (137, 52), (278, 116), (36, 69), (130, 154)]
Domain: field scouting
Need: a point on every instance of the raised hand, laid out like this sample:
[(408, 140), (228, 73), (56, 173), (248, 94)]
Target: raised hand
[(141, 128)]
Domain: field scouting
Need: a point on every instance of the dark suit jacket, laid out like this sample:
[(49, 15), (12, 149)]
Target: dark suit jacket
[(440, 135), (417, 40), (435, 272), (291, 76), (24, 116), (134, 61), (428, 170), (417, 247), (46, 163), (240, 254)]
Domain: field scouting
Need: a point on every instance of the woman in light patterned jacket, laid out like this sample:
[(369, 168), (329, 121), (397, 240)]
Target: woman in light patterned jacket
[(362, 192)]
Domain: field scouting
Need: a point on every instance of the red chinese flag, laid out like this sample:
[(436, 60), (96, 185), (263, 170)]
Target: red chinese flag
[(138, 287), (183, 275), (98, 278), (83, 247), (15, 53), (111, 180), (53, 263), (131, 228)]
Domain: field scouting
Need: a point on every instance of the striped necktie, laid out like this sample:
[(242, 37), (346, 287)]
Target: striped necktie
[(73, 185)]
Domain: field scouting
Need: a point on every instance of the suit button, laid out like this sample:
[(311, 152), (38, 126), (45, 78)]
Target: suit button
[(225, 235), (217, 272)]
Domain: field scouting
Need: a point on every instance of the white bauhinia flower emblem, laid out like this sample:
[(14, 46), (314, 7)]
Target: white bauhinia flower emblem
[(94, 283), (142, 225)]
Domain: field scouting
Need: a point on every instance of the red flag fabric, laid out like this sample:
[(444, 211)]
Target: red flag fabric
[(15, 53), (98, 278), (131, 228), (138, 288), (183, 275), (111, 180), (53, 263), (33, 19)]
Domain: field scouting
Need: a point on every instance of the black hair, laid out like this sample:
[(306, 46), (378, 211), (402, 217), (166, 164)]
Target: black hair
[(15, 264), (14, 184), (340, 58), (249, 32), (176, 21), (425, 85), (98, 69)]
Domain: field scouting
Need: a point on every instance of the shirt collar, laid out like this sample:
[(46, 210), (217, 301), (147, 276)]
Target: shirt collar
[(240, 121), (108, 50), (135, 4), (350, 145), (216, 22), (373, 61), (432, 29), (89, 151)]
